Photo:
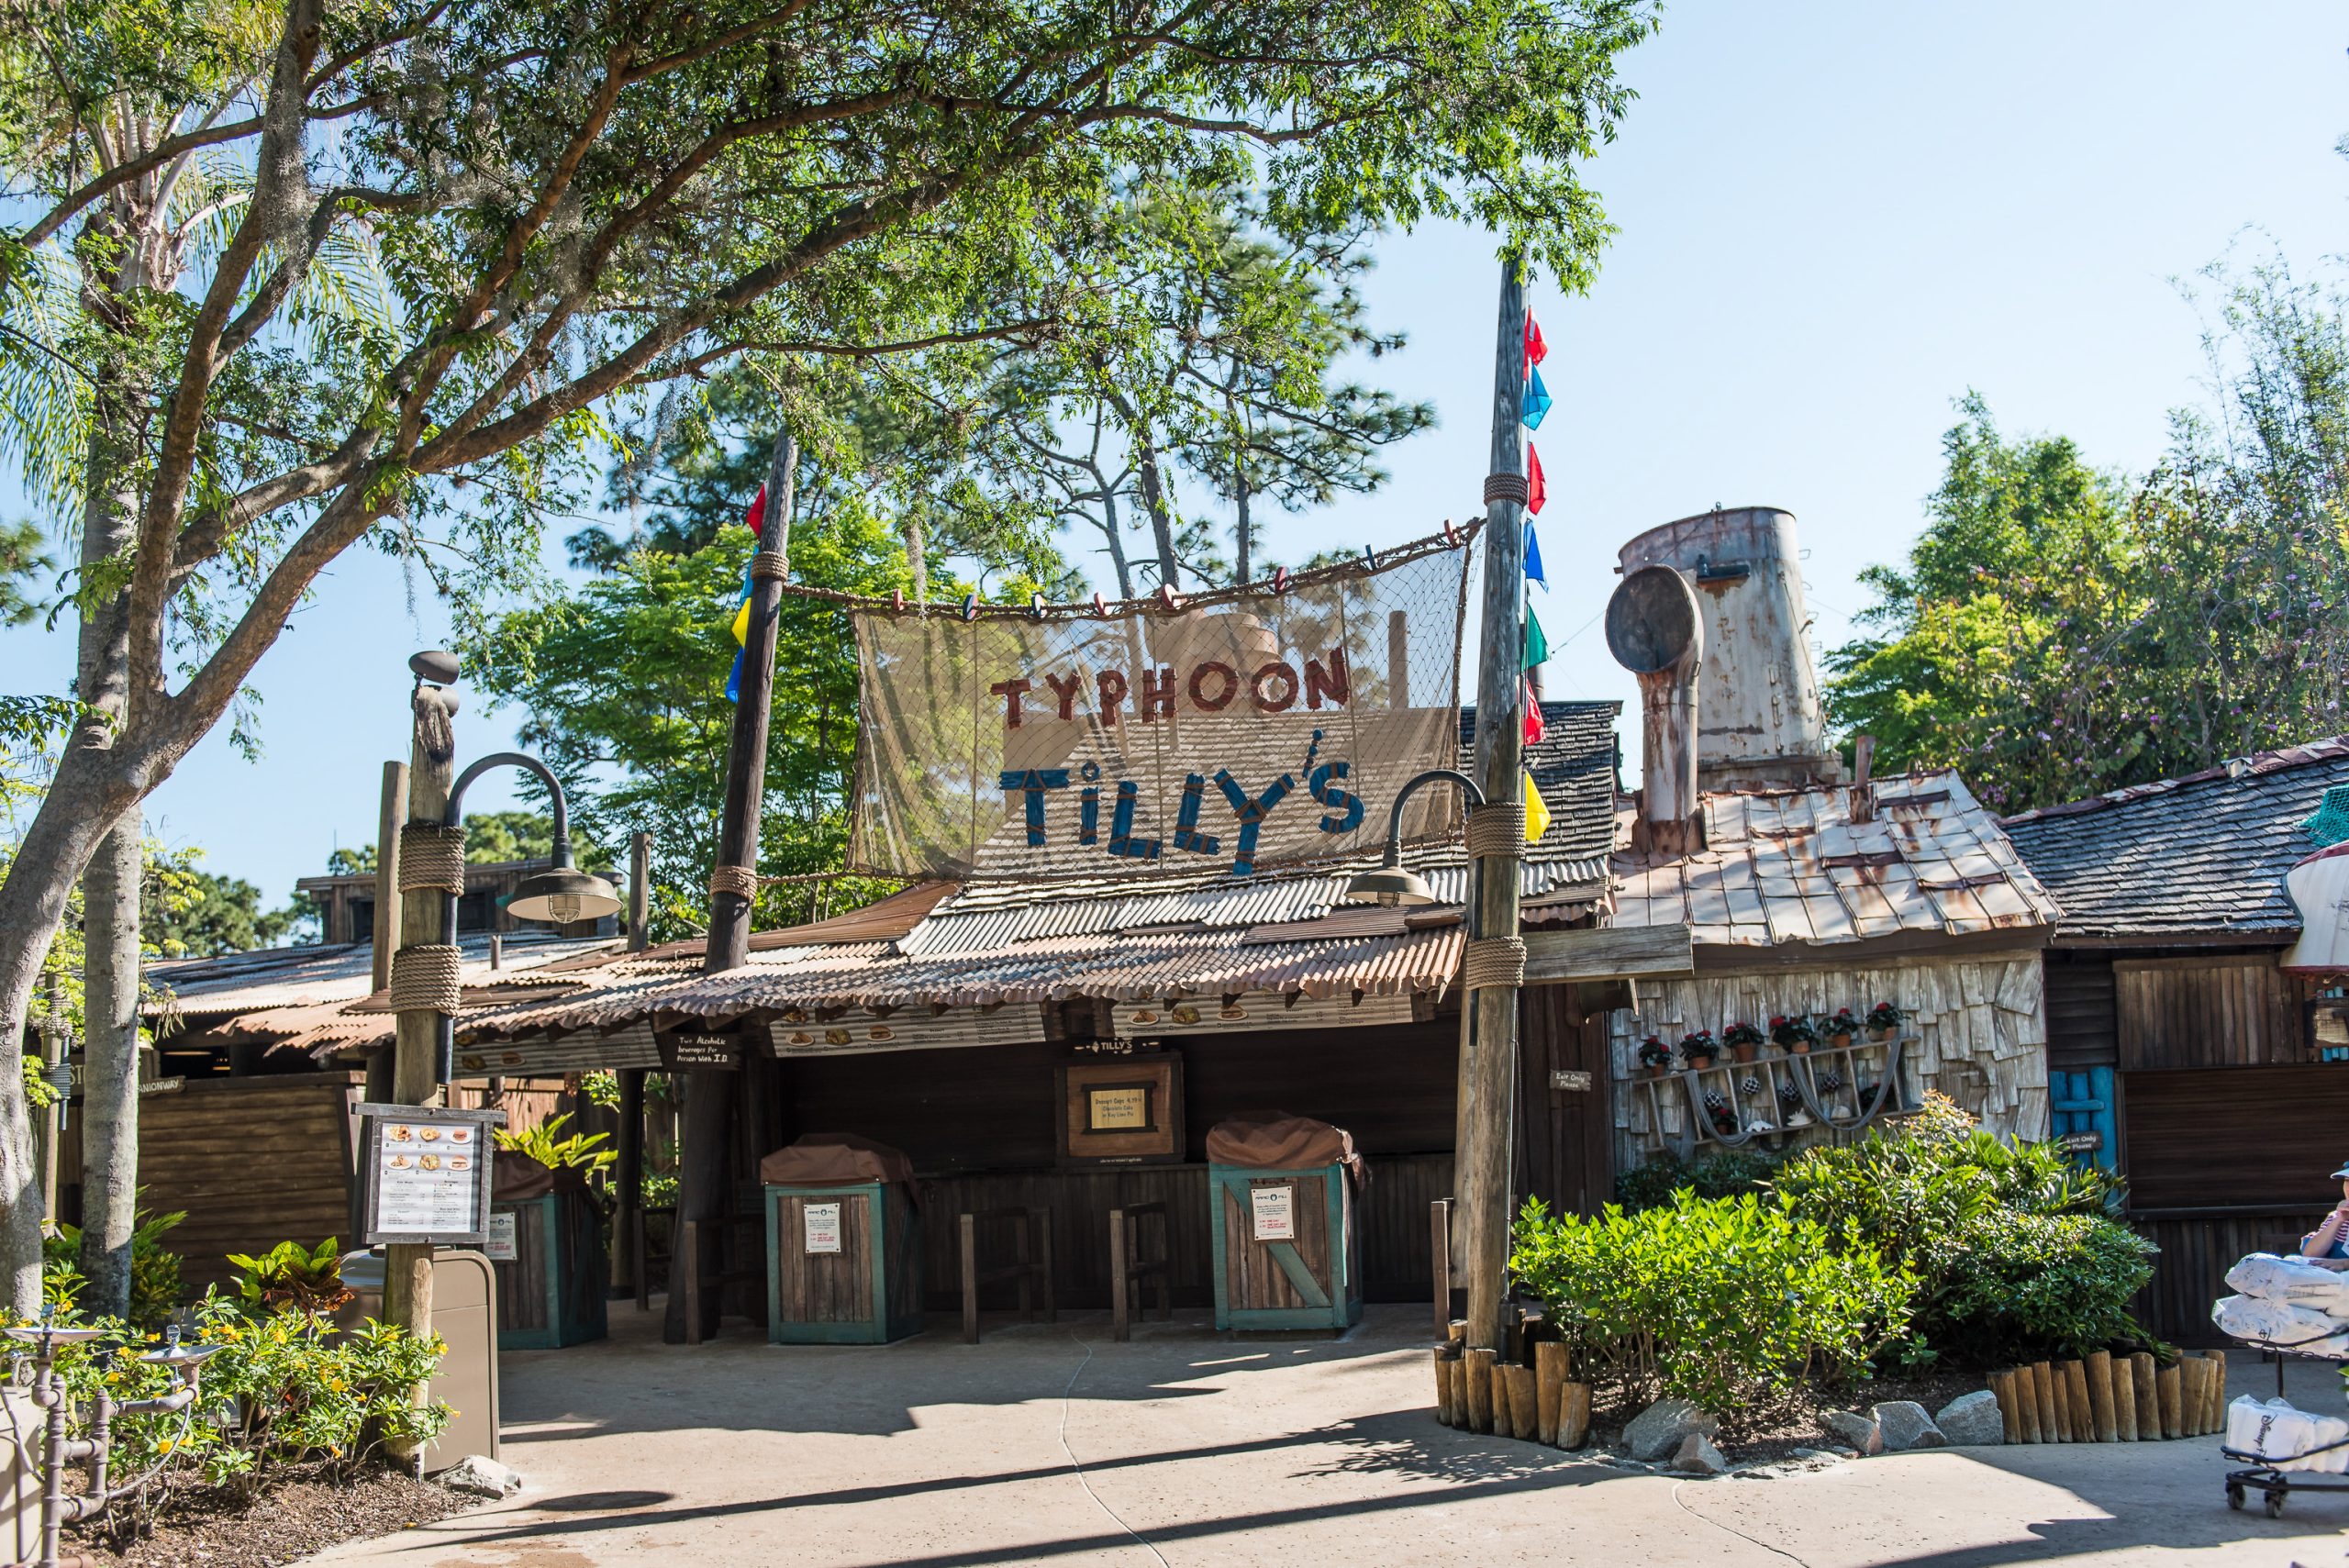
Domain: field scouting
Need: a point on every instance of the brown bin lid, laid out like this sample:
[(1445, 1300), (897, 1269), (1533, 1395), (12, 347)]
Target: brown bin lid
[(514, 1176), (1276, 1141), (833, 1160)]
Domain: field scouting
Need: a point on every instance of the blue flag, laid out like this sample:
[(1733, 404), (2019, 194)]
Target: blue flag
[(1537, 400), (1533, 555)]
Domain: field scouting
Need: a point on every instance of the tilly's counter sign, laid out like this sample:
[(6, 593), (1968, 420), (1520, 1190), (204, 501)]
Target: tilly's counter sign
[(1265, 727), (706, 1051)]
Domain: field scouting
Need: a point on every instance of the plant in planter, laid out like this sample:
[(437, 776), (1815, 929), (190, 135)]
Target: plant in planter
[(1654, 1055), (1794, 1035), (540, 1143), (1838, 1028), (1743, 1039), (1883, 1019), (1698, 1049), (1723, 1115)]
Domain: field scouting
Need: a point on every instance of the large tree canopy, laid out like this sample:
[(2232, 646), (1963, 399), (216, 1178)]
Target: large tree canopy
[(2058, 631)]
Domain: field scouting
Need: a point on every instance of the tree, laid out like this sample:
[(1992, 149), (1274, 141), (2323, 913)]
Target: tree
[(572, 208), (2059, 631), (21, 560), (192, 913)]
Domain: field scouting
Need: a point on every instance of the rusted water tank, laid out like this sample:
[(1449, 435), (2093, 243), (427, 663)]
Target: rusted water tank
[(1759, 720)]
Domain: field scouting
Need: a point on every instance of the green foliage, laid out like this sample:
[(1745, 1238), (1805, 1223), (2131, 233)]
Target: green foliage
[(1962, 1209), (602, 1087), (1721, 1301), (556, 1153), (1727, 1173), (303, 1279), (155, 1270), (21, 560), (192, 913), (2059, 630)]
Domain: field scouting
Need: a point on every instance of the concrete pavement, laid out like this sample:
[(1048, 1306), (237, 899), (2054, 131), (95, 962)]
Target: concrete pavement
[(1054, 1445)]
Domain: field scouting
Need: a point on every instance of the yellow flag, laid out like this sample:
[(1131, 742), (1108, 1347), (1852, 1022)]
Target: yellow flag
[(743, 624), (1537, 811)]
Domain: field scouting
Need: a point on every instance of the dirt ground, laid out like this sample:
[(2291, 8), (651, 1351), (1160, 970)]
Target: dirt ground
[(206, 1527), (1050, 1445)]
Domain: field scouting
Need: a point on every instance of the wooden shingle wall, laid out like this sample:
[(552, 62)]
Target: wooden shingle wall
[(2207, 1010)]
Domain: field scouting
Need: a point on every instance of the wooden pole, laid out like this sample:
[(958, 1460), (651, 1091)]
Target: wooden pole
[(2027, 1401), (2099, 1371), (2149, 1405), (1439, 1262), (2042, 1387), (2054, 1373), (1447, 1384), (2218, 1417), (431, 768), (1489, 1065), (1574, 1415), (1549, 1387), (2196, 1415), (704, 1178), (2081, 1404), (2168, 1387), (389, 815), (2124, 1400), (1524, 1402), (2002, 1388), (627, 1222), (1477, 1372), (640, 891)]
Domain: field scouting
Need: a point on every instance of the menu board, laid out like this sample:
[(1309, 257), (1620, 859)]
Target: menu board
[(1119, 1108), (426, 1183)]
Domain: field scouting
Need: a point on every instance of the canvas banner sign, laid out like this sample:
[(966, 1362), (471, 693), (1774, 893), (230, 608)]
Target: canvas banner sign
[(1238, 731)]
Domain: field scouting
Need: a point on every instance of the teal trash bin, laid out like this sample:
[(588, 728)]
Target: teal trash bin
[(844, 1242), (1284, 1223), (551, 1293)]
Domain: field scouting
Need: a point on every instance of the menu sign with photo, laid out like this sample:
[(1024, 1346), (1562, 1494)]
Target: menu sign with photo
[(426, 1174)]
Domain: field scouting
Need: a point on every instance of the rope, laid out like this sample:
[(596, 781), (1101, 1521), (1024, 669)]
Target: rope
[(1497, 828), (1506, 488), (767, 565), (432, 858), (741, 882), (1494, 962), (424, 979)]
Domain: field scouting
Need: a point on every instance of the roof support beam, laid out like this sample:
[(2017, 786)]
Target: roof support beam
[(1608, 953)]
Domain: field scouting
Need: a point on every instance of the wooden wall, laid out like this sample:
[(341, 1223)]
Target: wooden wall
[(1565, 1139), (253, 1160), (2083, 1028), (2222, 1009)]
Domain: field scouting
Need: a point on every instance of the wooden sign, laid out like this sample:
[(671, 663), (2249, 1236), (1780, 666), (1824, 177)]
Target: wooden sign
[(424, 1174), (692, 1050), (1260, 1010), (2080, 1142), (838, 1031), (1121, 1112), (1570, 1079)]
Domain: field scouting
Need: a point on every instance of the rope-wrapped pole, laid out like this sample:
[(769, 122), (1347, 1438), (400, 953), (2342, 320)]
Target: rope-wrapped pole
[(1489, 1050)]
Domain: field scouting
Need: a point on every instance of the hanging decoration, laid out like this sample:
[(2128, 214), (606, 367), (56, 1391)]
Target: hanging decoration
[(1536, 491), (1537, 810), (1536, 350), (1537, 399), (1537, 641), (1534, 572), (755, 519)]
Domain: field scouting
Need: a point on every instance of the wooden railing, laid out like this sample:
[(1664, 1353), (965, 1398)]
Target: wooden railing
[(1032, 1264), (1129, 1269)]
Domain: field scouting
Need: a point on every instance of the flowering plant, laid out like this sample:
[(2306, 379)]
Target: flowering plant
[(1884, 1015), (1653, 1052), (1839, 1025), (1788, 1032), (1698, 1045), (1741, 1033)]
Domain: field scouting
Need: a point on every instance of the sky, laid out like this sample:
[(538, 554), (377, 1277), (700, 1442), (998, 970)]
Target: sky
[(1834, 220)]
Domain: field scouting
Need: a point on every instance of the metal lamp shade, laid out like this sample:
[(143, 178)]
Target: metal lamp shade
[(1389, 887), (562, 895)]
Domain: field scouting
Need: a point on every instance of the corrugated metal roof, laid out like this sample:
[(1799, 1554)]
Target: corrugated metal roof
[(207, 988), (1790, 866)]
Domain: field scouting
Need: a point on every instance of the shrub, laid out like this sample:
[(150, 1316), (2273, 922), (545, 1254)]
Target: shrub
[(307, 1279), (1720, 1301), (2016, 1284), (1724, 1173), (540, 1143), (155, 1270)]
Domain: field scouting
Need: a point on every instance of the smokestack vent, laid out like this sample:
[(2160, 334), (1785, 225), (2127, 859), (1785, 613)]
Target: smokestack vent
[(1654, 630)]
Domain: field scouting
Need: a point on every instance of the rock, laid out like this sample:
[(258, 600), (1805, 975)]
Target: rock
[(1972, 1421), (1905, 1425), (483, 1477), (1698, 1457), (1858, 1430), (1659, 1430)]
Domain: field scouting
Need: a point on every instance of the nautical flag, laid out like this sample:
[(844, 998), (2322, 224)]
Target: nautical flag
[(1536, 350), (1537, 810), (1537, 400), (1535, 726), (1537, 644), (1533, 555), (1535, 490)]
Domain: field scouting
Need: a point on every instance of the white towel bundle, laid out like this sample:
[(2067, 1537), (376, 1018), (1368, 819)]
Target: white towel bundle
[(2295, 1280), (2285, 1436), (2280, 1323)]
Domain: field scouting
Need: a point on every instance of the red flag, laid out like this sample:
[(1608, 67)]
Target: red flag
[(1535, 490), (1536, 350), (758, 515), (1534, 728)]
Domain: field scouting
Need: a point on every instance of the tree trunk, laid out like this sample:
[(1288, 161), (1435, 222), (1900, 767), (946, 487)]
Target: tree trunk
[(1110, 527), (110, 1069), (1242, 530), (917, 559), (1153, 500)]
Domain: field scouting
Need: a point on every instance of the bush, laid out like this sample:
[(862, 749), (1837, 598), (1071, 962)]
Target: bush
[(1725, 1173), (1720, 1301), (1966, 1214), (155, 1270)]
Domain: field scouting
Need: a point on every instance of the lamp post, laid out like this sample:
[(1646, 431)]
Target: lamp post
[(1391, 884)]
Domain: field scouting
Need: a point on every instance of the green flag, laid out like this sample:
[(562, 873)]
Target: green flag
[(1537, 647)]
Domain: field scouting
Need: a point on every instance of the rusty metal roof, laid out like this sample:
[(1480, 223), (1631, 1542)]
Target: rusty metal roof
[(1790, 866), (209, 988)]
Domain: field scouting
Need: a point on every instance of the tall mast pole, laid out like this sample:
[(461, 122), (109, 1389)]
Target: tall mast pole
[(705, 1183), (1496, 843)]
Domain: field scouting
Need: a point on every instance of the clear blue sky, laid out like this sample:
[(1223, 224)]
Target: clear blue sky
[(1835, 219)]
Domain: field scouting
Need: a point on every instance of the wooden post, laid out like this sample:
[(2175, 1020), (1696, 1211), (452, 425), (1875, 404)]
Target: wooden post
[(2083, 1409), (1119, 1281), (704, 1177), (970, 1239), (628, 1227), (388, 817), (2168, 1386), (1489, 1065), (2149, 1405), (640, 891), (1476, 1371), (2217, 1417), (1447, 1384), (2042, 1385), (2027, 1402), (1574, 1415), (2100, 1371), (2124, 1400), (432, 765), (1524, 1402), (1439, 1262), (1549, 1387), (2002, 1388)]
